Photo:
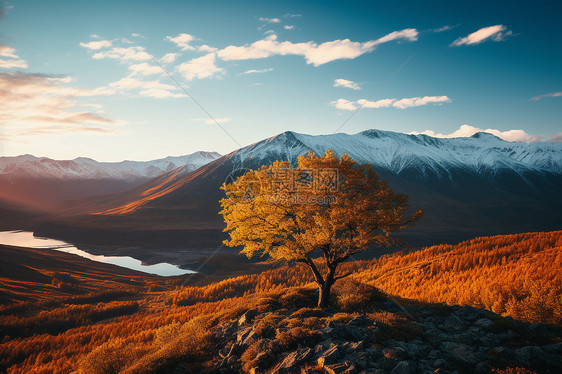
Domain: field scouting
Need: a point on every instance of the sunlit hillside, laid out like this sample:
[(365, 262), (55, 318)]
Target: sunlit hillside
[(138, 331)]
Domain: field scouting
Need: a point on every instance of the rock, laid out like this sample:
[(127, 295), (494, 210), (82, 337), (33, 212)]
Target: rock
[(553, 348), (440, 363), (452, 324), (243, 333), (404, 367), (340, 368), (360, 321), (330, 356), (529, 355), (483, 368), (326, 330), (483, 322), (292, 360), (390, 353), (247, 317), (458, 351)]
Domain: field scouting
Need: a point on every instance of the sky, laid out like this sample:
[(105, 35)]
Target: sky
[(142, 80)]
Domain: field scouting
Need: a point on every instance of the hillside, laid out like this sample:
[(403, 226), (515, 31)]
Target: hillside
[(28, 274), (480, 185), (41, 183), (156, 331)]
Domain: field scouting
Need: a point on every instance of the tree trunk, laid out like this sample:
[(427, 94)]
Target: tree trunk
[(324, 289)]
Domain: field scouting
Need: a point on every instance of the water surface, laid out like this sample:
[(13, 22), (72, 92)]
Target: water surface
[(26, 239)]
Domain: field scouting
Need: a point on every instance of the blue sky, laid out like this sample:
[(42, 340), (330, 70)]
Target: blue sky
[(82, 78)]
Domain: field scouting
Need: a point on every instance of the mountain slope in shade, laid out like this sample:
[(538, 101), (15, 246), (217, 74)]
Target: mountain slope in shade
[(41, 183), (466, 186)]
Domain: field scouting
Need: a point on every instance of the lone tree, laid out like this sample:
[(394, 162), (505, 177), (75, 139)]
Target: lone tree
[(319, 213)]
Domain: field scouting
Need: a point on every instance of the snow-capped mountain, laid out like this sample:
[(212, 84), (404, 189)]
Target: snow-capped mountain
[(471, 186), (398, 153), (28, 166)]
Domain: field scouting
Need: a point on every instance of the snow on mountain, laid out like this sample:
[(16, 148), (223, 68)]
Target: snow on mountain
[(28, 166), (398, 152)]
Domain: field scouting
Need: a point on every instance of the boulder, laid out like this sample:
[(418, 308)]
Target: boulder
[(404, 367), (293, 360), (529, 356), (461, 352), (330, 356), (340, 368), (247, 317)]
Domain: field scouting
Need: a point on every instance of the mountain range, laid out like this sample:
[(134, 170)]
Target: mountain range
[(39, 184), (466, 186)]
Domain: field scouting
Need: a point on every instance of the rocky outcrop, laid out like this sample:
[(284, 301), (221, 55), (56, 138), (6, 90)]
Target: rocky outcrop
[(435, 340)]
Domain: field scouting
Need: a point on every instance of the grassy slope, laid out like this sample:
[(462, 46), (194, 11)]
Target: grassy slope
[(505, 268), (28, 274)]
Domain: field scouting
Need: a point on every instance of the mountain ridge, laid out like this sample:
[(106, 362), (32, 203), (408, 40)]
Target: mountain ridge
[(467, 186)]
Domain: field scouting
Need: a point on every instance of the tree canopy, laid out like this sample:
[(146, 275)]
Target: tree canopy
[(325, 207)]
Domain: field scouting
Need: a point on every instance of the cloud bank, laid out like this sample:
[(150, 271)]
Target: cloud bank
[(405, 103), (467, 130)]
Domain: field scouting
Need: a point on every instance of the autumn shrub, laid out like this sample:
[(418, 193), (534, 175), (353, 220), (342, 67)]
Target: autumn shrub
[(311, 323), (308, 312), (256, 355), (187, 352), (267, 326), (396, 326), (342, 317), (355, 296), (298, 297), (110, 358), (290, 338)]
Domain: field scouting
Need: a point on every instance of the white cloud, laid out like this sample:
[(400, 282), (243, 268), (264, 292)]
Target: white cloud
[(419, 101), (168, 58), (253, 71), (345, 83), (385, 103), (467, 130), (35, 104), (95, 36), (289, 15), (124, 54), (496, 33), (444, 28), (7, 51), (270, 20), (210, 121), (13, 60), (206, 48), (289, 27), (145, 69), (150, 88), (135, 35), (315, 54), (344, 104), (554, 94), (200, 67), (407, 34), (96, 44), (13, 64), (182, 41), (159, 93), (130, 83)]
